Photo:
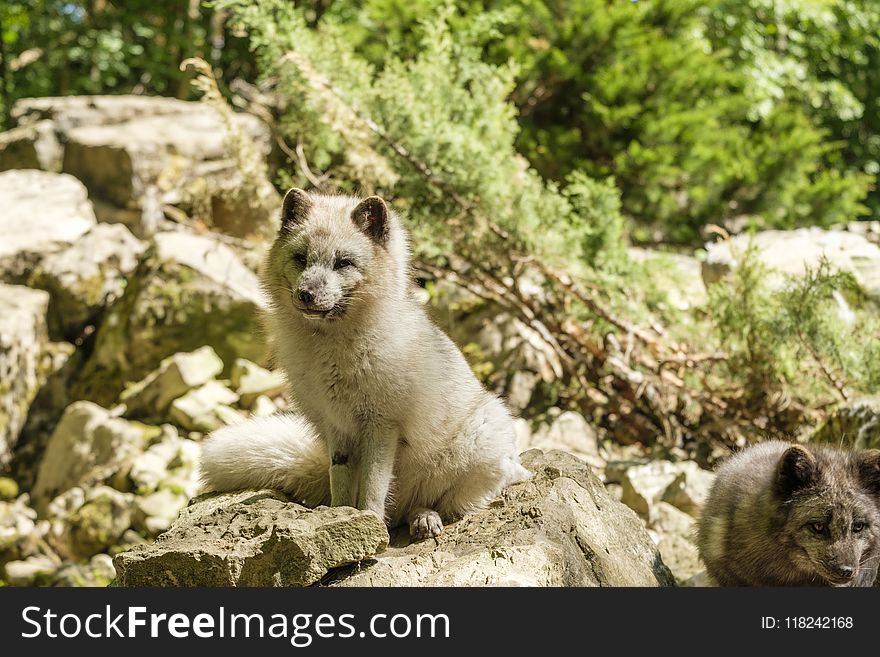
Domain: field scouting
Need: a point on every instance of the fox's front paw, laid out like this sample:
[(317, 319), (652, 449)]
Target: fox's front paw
[(426, 524)]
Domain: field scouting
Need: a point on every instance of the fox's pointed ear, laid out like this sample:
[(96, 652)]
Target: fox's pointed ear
[(797, 469), (295, 208), (371, 216), (869, 470)]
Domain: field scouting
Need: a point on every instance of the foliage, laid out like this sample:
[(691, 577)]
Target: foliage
[(690, 117), (60, 47), (799, 335), (436, 132)]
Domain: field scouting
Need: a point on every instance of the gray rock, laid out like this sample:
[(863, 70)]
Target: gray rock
[(855, 424), (36, 569), (689, 490), (31, 146), (175, 376), (155, 513), (675, 534), (683, 485), (570, 432), (100, 522), (98, 572), (169, 459), (88, 445), (561, 528), (25, 361), (18, 524), (252, 538), (788, 252), (42, 213), (202, 409), (250, 381), (189, 291), (88, 275)]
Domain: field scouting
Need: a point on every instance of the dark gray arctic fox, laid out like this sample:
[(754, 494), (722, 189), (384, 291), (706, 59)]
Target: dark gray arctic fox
[(781, 514)]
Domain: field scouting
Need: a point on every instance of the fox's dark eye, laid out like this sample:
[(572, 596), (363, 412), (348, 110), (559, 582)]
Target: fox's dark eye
[(818, 527), (857, 527), (300, 259), (342, 263)]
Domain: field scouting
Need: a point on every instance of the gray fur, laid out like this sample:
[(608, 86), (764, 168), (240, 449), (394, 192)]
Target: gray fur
[(393, 419), (786, 515)]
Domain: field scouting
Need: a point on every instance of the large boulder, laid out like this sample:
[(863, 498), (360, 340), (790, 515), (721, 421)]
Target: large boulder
[(31, 146), (560, 528), (88, 445), (27, 359), (135, 153), (88, 275), (790, 251), (42, 213), (252, 538), (188, 291)]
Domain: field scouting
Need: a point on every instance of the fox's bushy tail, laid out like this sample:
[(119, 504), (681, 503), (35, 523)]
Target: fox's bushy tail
[(280, 452)]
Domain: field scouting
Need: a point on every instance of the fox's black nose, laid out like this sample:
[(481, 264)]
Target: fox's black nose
[(306, 297), (845, 572)]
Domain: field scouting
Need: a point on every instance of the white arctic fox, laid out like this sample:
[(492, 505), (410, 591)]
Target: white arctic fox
[(391, 418)]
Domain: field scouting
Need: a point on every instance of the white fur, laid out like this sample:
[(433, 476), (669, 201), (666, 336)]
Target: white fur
[(381, 387)]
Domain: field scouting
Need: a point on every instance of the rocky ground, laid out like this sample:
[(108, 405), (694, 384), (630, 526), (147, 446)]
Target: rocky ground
[(129, 329)]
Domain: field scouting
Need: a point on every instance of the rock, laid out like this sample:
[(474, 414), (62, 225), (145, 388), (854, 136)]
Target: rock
[(855, 424), (520, 390), (675, 532), (168, 457), (678, 275), (250, 381), (681, 556), (571, 433), (88, 275), (8, 489), (252, 538), (100, 522), (42, 213), (189, 291), (683, 485), (133, 152), (155, 513), (699, 580), (24, 347), (98, 572), (32, 146), (667, 520), (523, 433), (560, 528), (790, 251), (200, 409), (175, 376), (18, 524), (88, 444), (689, 490), (263, 407), (36, 569), (68, 112)]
